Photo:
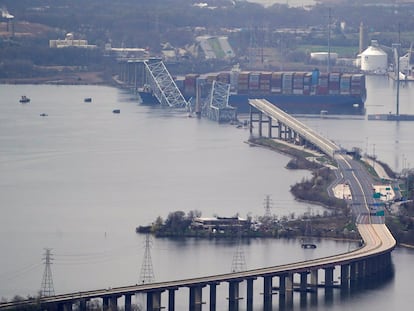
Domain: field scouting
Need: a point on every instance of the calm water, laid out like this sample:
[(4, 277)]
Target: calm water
[(81, 179), (291, 3)]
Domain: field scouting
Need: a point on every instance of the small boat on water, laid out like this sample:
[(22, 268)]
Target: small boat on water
[(88, 100), (24, 99)]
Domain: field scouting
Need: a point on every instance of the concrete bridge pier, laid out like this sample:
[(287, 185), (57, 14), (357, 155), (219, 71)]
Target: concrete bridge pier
[(353, 274), (128, 304), (286, 289), (314, 278), (289, 290), (361, 269), (260, 124), (329, 278), (67, 306), (196, 297), (171, 299), (345, 275), (110, 303), (154, 300), (234, 295), (371, 267), (213, 296), (269, 128), (303, 285), (267, 292), (249, 294), (82, 304)]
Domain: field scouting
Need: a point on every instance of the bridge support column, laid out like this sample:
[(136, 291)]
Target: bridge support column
[(171, 299), (282, 285), (353, 273), (345, 275), (65, 306), (260, 124), (329, 276), (128, 304), (105, 303), (196, 297), (82, 305), (303, 281), (213, 296), (314, 278), (249, 303), (251, 120), (361, 269), (269, 134), (267, 292), (289, 289), (370, 267), (154, 301), (234, 295)]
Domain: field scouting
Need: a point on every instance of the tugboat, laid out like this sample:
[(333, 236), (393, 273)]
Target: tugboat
[(24, 99)]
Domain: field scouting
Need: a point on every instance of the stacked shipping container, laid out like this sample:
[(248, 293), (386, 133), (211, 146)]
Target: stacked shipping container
[(295, 83)]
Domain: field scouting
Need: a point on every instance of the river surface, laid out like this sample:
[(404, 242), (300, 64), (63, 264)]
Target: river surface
[(291, 3), (80, 179)]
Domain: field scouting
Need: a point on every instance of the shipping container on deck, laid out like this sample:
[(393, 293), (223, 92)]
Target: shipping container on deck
[(334, 80), (298, 83), (345, 84), (211, 77), (264, 82), (307, 83), (287, 83), (243, 82), (254, 78), (323, 84), (357, 84), (276, 83), (224, 77)]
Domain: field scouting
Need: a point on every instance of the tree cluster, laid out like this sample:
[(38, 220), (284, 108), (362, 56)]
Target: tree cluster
[(149, 24)]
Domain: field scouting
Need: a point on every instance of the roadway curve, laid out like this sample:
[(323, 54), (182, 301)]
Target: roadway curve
[(376, 236)]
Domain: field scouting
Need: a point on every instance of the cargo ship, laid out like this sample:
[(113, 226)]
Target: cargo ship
[(294, 92)]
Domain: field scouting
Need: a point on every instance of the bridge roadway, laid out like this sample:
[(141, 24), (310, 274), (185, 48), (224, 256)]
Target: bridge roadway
[(358, 178), (370, 258), (326, 145), (377, 240)]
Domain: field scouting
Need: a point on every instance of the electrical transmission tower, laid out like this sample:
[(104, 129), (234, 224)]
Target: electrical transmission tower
[(147, 272), (268, 205), (239, 261), (47, 280)]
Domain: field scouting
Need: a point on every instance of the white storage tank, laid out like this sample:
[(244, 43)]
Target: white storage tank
[(374, 59)]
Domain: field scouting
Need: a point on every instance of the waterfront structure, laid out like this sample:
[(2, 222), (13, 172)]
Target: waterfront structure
[(70, 41)]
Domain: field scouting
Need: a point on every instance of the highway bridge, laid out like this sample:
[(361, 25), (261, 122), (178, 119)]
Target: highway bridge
[(290, 128), (369, 262)]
